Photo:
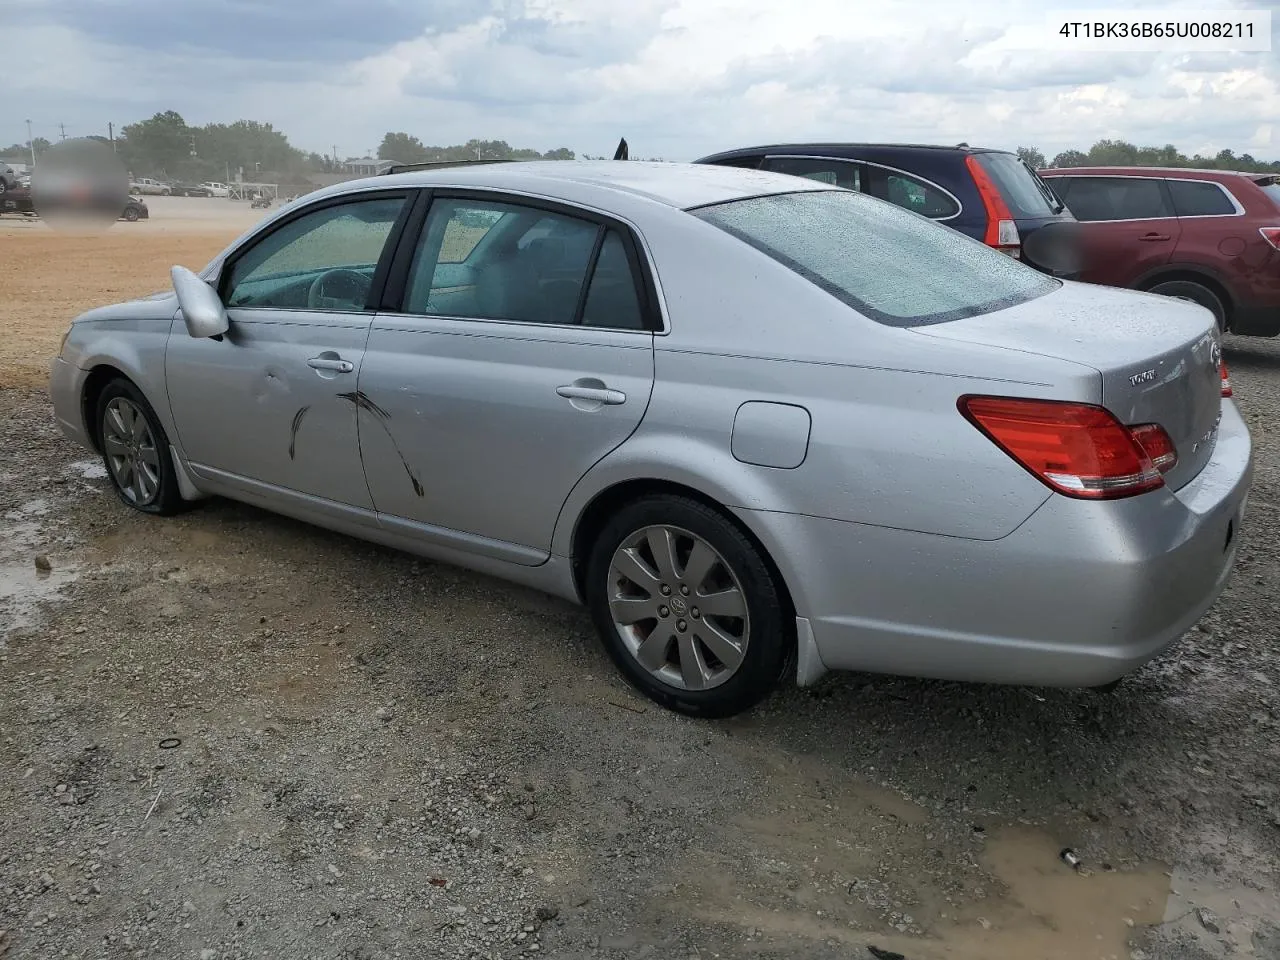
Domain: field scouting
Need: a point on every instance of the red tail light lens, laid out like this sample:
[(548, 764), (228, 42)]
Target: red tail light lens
[(1226, 378), (1077, 449), (1271, 235), (1002, 232), (1158, 445)]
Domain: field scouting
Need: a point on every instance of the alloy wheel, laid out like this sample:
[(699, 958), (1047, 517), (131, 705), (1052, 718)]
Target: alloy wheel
[(678, 607), (131, 451)]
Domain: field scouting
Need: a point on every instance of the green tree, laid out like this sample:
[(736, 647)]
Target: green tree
[(149, 148), (402, 148), (1070, 158), (1032, 157)]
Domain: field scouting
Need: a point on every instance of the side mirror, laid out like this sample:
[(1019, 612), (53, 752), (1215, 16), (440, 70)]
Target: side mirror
[(201, 309)]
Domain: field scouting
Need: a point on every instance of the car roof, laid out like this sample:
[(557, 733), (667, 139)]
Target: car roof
[(679, 185), (821, 149), (1172, 172)]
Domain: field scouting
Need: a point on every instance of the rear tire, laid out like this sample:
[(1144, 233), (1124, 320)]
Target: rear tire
[(1196, 293), (687, 657), (131, 214), (135, 450)]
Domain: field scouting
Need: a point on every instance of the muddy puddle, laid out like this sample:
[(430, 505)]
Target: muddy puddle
[(34, 565), (861, 864)]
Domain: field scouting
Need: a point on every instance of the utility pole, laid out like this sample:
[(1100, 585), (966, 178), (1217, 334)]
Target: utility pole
[(63, 127), (31, 143), (111, 135)]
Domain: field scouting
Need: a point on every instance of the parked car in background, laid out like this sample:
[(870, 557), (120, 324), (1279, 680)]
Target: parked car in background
[(671, 392), (150, 187), (8, 177), (1209, 236), (135, 209), (190, 190), (216, 189), (990, 195), (19, 201)]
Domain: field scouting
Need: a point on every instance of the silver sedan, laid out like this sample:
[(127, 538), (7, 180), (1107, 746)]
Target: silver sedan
[(762, 427)]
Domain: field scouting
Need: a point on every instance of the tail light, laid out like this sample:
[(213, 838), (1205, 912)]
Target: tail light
[(1226, 378), (1076, 449), (1157, 444), (1271, 235), (1002, 232)]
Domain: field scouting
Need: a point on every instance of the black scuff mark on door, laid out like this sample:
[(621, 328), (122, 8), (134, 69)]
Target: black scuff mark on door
[(293, 429), (362, 402)]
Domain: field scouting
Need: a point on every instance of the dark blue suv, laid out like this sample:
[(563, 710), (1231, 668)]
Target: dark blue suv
[(990, 195)]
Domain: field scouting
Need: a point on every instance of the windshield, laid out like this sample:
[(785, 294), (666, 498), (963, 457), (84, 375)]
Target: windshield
[(894, 266), (1025, 193)]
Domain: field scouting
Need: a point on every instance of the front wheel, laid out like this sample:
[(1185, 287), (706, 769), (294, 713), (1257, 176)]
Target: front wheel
[(135, 450), (688, 607), (131, 214)]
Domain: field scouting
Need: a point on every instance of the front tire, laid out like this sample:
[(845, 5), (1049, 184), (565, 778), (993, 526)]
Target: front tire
[(1196, 293), (135, 451), (131, 214), (688, 607)]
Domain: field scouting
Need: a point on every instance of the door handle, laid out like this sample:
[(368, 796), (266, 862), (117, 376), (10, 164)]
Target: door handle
[(329, 363), (1154, 236), (599, 394)]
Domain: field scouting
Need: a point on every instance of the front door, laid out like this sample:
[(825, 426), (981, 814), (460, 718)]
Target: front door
[(521, 355), (275, 400)]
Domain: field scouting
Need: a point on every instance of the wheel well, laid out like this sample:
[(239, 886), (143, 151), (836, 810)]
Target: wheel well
[(94, 384), (1192, 276), (608, 502)]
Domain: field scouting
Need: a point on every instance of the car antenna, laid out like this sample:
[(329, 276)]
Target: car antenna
[(622, 153)]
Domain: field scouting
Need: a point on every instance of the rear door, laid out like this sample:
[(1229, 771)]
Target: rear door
[(1128, 226), (1213, 223), (519, 353)]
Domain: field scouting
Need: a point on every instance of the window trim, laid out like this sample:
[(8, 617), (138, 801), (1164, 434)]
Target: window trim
[(380, 271), (639, 258), (882, 166), (1240, 211)]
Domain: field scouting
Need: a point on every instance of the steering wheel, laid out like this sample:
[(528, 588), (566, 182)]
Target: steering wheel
[(339, 289)]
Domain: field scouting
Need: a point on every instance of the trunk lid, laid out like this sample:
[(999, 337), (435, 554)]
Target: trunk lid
[(1158, 358)]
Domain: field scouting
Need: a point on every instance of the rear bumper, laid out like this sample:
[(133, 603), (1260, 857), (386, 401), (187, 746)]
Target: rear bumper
[(1256, 321), (1079, 595)]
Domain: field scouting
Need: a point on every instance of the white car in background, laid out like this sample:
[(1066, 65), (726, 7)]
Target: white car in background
[(217, 189)]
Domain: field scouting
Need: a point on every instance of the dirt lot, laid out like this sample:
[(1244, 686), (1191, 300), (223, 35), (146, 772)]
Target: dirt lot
[(228, 735)]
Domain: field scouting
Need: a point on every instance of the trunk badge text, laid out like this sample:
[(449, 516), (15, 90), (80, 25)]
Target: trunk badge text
[(1146, 376)]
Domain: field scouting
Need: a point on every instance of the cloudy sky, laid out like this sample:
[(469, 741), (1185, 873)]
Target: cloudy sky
[(680, 78)]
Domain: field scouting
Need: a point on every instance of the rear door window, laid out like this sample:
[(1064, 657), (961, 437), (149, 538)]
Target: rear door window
[(1120, 198), (1198, 198), (911, 193), (1026, 195), (837, 173)]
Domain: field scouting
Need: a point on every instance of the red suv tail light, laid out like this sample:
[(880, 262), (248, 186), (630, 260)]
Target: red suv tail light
[(1226, 378), (1002, 232), (1271, 235), (1076, 449)]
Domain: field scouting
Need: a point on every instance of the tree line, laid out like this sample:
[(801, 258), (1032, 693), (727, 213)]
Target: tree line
[(167, 147), (1121, 153)]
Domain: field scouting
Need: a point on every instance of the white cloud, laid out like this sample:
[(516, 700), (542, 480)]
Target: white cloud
[(679, 78)]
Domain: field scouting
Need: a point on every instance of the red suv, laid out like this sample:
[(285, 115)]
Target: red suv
[(1210, 236)]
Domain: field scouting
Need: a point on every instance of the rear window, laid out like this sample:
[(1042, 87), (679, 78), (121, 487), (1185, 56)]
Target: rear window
[(1272, 189), (890, 265), (1026, 195)]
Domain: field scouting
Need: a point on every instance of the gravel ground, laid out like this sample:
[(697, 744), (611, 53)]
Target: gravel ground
[(229, 735)]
